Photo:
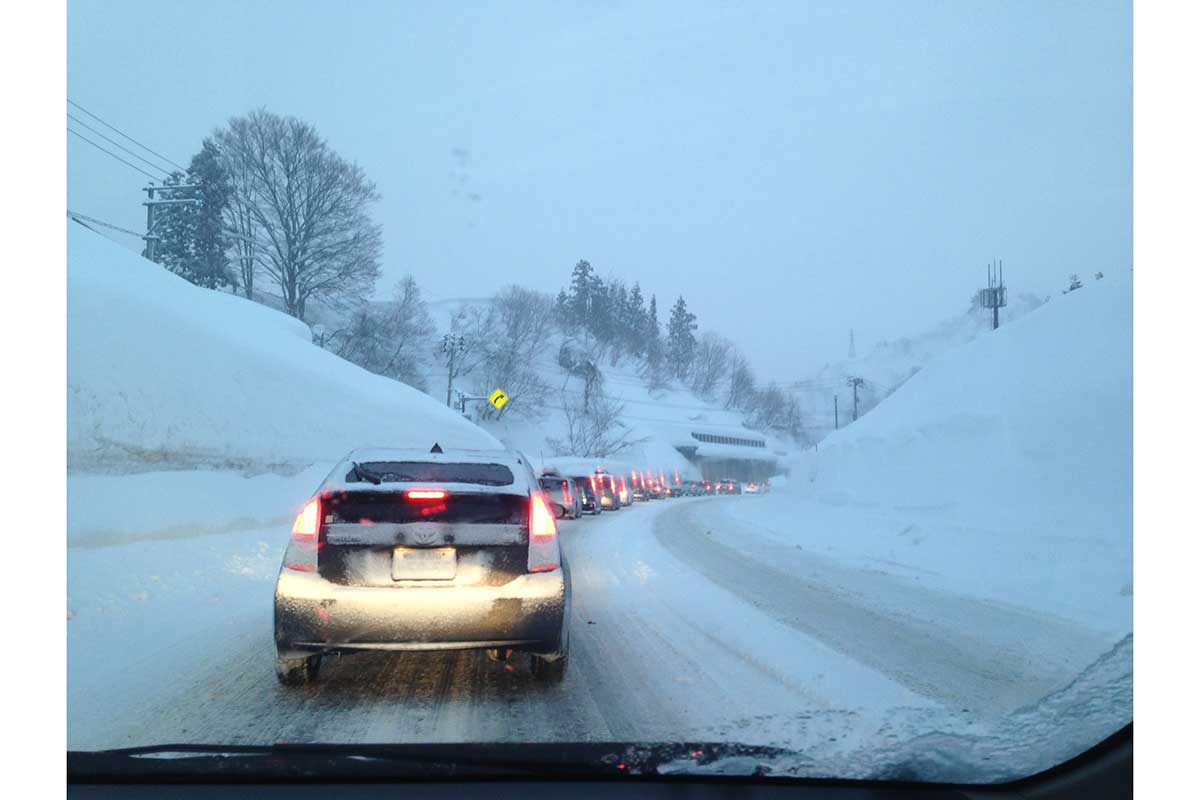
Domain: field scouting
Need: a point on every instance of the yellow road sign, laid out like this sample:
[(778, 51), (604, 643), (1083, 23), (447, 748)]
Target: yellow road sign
[(498, 398)]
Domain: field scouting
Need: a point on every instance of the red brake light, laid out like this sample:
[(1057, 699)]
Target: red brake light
[(301, 554), (308, 521), (541, 521), (425, 494), (543, 546)]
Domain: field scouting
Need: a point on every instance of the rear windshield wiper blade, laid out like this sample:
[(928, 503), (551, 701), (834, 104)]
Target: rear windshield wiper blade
[(366, 474)]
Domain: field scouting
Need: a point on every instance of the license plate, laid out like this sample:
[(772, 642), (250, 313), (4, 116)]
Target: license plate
[(424, 564)]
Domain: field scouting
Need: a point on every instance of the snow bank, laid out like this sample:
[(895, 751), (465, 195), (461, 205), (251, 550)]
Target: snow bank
[(1004, 469), (161, 373), (1035, 418), (114, 509)]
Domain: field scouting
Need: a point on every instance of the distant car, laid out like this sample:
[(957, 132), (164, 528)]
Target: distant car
[(637, 492), (729, 486), (653, 489), (563, 495), (404, 550), (708, 487), (751, 488), (586, 487), (606, 490), (693, 488), (624, 494)]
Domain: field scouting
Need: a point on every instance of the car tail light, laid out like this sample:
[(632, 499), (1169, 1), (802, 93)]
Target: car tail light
[(301, 554), (425, 494), (567, 492), (543, 536)]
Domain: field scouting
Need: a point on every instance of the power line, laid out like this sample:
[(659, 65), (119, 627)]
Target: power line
[(114, 155), (94, 221), (127, 136), (117, 144)]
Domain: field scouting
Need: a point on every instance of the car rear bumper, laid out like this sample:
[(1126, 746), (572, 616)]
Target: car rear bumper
[(315, 615)]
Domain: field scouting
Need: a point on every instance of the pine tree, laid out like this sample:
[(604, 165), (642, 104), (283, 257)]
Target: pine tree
[(655, 372), (634, 318), (192, 239), (581, 295), (562, 310), (210, 244), (681, 339)]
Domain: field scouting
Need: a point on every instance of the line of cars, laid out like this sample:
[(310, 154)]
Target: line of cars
[(723, 486), (574, 494)]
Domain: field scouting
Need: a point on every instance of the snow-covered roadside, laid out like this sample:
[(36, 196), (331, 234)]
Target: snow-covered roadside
[(163, 570), (1004, 470), (1088, 582), (110, 509)]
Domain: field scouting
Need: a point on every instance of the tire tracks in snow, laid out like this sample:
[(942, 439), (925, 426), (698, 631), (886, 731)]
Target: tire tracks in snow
[(966, 653)]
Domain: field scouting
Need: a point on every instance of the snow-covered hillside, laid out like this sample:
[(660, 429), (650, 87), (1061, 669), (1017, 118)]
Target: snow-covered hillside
[(888, 364), (163, 374), (1002, 469)]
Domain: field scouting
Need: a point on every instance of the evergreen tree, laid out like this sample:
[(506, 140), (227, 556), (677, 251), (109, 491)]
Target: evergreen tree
[(211, 242), (633, 317), (562, 310), (655, 371), (581, 295), (192, 239), (651, 333), (681, 339)]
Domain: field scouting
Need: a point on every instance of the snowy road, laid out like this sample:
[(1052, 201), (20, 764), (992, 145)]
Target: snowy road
[(686, 626)]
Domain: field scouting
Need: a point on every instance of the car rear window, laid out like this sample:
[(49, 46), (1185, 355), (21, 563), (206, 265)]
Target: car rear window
[(429, 472)]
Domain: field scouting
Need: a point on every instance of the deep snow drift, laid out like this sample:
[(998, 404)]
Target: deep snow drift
[(1003, 469), (163, 373)]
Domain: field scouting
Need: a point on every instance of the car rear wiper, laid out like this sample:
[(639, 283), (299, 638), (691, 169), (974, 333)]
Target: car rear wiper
[(366, 474)]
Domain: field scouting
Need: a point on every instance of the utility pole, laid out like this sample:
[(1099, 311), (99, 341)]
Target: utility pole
[(452, 345), (995, 296), (151, 204), (854, 383), (836, 426)]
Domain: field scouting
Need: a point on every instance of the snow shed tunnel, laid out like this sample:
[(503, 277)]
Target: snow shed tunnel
[(738, 453)]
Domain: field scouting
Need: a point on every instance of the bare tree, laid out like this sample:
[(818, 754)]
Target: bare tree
[(310, 209), (594, 430), (741, 382), (238, 217), (508, 336), (391, 338), (711, 363), (768, 408)]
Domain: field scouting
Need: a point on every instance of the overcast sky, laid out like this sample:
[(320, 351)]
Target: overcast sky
[(793, 169)]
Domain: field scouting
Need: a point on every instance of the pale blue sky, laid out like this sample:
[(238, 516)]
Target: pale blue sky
[(794, 169)]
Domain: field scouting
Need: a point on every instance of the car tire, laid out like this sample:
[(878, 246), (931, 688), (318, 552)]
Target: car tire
[(548, 671), (297, 671)]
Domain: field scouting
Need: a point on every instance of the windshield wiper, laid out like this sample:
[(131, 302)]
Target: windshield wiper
[(182, 761), (366, 474)]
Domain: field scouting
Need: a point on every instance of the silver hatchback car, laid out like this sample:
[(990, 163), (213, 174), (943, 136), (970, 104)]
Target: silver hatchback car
[(406, 550)]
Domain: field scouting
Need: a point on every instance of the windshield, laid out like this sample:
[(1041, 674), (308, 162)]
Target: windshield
[(828, 305)]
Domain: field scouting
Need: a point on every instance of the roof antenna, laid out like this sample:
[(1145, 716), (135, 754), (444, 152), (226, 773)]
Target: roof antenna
[(437, 448)]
